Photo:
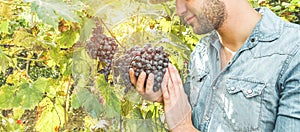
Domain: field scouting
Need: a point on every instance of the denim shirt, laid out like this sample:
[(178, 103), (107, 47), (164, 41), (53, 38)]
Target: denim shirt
[(258, 91)]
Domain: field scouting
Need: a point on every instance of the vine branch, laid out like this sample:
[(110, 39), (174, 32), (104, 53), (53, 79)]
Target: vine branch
[(111, 33)]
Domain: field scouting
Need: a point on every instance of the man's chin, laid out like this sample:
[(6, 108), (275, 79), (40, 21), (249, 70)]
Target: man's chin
[(201, 31)]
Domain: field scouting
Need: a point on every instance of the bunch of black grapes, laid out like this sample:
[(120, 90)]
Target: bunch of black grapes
[(37, 70), (102, 48), (121, 69), (146, 59), (22, 63), (2, 79), (3, 76)]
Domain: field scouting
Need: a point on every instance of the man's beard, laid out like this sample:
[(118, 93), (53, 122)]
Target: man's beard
[(211, 18)]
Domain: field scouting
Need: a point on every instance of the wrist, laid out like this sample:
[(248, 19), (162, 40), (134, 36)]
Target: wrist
[(184, 128), (187, 126)]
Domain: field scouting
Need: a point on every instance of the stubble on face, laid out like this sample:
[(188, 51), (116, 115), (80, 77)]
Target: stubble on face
[(210, 15)]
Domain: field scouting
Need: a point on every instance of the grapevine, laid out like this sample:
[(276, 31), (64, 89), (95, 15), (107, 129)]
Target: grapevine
[(102, 48), (147, 59)]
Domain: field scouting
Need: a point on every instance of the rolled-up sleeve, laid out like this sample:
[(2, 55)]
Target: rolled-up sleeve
[(288, 116)]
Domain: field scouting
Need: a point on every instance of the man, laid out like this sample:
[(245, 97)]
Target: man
[(243, 76)]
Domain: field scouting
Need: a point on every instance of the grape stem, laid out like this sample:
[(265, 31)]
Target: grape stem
[(111, 33), (66, 102)]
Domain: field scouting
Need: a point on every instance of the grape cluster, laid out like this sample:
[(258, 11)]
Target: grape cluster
[(2, 79), (29, 118), (76, 119), (36, 72), (150, 60), (3, 76), (22, 63), (121, 70), (102, 48)]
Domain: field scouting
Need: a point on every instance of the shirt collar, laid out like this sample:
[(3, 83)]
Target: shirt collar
[(267, 29)]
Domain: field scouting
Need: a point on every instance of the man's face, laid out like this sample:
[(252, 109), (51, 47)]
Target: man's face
[(203, 15)]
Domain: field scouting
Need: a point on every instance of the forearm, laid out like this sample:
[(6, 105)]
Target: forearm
[(185, 128), (186, 125)]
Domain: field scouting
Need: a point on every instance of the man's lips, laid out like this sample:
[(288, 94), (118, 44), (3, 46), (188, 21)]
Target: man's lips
[(189, 19)]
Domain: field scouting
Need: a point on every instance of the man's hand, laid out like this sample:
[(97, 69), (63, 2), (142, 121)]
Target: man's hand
[(147, 93), (176, 105)]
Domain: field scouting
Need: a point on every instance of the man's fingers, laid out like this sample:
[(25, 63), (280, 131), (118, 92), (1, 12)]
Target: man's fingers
[(175, 78), (149, 84), (164, 86), (132, 77), (171, 89), (140, 83)]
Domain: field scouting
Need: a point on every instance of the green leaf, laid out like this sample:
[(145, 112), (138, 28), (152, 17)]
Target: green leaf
[(7, 95), (42, 84), (138, 125), (83, 67), (30, 96), (126, 107), (4, 26), (93, 106), (4, 63), (149, 115), (112, 103), (67, 39), (86, 30), (67, 68), (46, 15), (23, 38), (76, 103), (50, 119), (89, 101), (47, 10)]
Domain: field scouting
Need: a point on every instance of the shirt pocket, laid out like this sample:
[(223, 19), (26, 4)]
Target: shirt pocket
[(242, 103), (198, 80)]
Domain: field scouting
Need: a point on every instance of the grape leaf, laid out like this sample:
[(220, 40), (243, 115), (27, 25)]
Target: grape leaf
[(89, 101), (112, 103), (30, 96), (47, 10), (138, 125), (7, 95), (67, 39), (6, 10), (4, 63), (50, 119), (86, 30), (23, 38), (93, 106), (4, 26)]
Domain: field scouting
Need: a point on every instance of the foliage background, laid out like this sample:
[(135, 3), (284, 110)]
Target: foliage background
[(49, 83)]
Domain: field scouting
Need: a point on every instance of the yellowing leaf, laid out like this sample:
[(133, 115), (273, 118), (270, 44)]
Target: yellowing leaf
[(50, 119), (67, 39), (4, 61), (6, 10), (4, 26), (23, 38)]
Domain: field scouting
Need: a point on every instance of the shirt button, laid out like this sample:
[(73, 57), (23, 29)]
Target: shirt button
[(252, 40), (249, 91), (232, 88), (206, 118), (214, 87)]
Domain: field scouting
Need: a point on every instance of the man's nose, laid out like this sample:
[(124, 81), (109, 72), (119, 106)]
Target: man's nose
[(180, 7)]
